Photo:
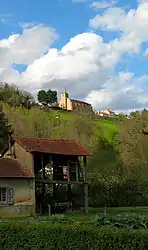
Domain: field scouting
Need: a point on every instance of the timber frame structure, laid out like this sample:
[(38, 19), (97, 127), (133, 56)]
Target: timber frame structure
[(52, 163)]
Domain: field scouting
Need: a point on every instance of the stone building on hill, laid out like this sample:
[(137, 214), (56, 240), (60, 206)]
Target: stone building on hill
[(73, 105)]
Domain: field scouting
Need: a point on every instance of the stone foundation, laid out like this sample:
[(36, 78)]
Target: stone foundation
[(16, 211)]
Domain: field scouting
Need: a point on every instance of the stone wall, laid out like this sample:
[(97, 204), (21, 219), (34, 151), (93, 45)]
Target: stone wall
[(81, 107), (23, 198)]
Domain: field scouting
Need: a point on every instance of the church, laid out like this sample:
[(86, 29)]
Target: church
[(74, 105)]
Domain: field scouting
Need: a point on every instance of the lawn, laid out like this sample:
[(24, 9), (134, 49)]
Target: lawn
[(83, 217), (79, 216)]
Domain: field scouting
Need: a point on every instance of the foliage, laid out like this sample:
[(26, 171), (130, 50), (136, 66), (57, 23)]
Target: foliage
[(58, 218), (47, 97), (3, 129), (17, 235), (117, 191), (133, 145), (127, 220), (14, 97)]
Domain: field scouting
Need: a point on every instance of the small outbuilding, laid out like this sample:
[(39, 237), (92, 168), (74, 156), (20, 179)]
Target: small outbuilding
[(36, 167)]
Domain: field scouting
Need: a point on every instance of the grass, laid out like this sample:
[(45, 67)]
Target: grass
[(107, 128), (83, 217), (79, 216)]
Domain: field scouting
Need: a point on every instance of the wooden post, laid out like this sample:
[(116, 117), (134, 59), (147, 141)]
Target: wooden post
[(68, 172), (84, 166), (43, 168), (77, 178), (54, 196), (49, 209), (85, 184), (43, 185), (69, 194), (86, 197)]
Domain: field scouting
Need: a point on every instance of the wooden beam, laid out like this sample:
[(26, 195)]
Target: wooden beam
[(48, 181)]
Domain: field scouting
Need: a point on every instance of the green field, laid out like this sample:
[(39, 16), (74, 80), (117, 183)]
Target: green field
[(102, 127)]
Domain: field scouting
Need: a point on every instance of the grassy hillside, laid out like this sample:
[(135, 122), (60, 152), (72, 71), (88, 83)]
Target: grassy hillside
[(102, 126), (70, 125)]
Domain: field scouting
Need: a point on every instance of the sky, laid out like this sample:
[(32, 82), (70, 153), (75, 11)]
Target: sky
[(97, 50)]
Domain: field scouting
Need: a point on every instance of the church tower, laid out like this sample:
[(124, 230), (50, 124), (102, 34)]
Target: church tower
[(63, 100)]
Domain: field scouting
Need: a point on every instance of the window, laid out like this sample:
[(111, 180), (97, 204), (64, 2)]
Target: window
[(3, 195), (6, 196)]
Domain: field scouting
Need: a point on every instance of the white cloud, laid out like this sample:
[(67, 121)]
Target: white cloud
[(132, 27), (102, 4), (26, 47), (111, 19), (120, 92), (85, 65), (146, 52), (142, 1)]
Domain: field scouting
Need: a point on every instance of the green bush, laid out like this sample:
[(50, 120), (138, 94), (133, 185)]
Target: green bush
[(130, 192), (56, 236), (57, 218), (125, 220)]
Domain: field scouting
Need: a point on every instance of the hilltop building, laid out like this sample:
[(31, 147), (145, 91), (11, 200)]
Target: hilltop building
[(73, 105), (107, 113)]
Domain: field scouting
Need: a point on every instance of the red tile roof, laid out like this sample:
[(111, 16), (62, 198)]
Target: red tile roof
[(111, 111), (11, 168), (63, 147)]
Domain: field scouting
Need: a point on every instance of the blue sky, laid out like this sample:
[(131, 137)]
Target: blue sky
[(77, 20), (68, 17)]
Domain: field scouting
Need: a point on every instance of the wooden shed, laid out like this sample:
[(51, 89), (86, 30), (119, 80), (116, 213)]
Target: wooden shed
[(53, 163)]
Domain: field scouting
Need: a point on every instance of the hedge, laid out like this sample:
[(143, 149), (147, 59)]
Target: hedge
[(55, 236)]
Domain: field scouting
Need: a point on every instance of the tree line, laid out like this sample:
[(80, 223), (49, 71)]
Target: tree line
[(15, 97)]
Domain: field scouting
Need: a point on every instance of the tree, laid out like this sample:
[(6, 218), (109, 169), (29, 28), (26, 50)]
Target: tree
[(47, 97), (14, 97), (42, 97), (134, 144), (51, 97), (3, 130), (121, 116)]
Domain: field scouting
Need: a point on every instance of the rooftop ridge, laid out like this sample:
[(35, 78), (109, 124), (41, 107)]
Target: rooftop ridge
[(56, 146)]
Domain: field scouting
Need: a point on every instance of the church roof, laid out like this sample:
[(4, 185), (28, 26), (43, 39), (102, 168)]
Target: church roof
[(80, 102)]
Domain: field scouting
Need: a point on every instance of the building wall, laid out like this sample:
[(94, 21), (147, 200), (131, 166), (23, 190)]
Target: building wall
[(69, 104), (77, 106), (81, 107), (23, 197), (25, 158)]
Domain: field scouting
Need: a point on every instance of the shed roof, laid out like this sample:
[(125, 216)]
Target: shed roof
[(62, 147), (11, 168)]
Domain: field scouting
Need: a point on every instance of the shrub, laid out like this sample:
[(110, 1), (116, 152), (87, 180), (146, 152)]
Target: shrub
[(57, 236), (125, 220), (130, 192), (58, 218)]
